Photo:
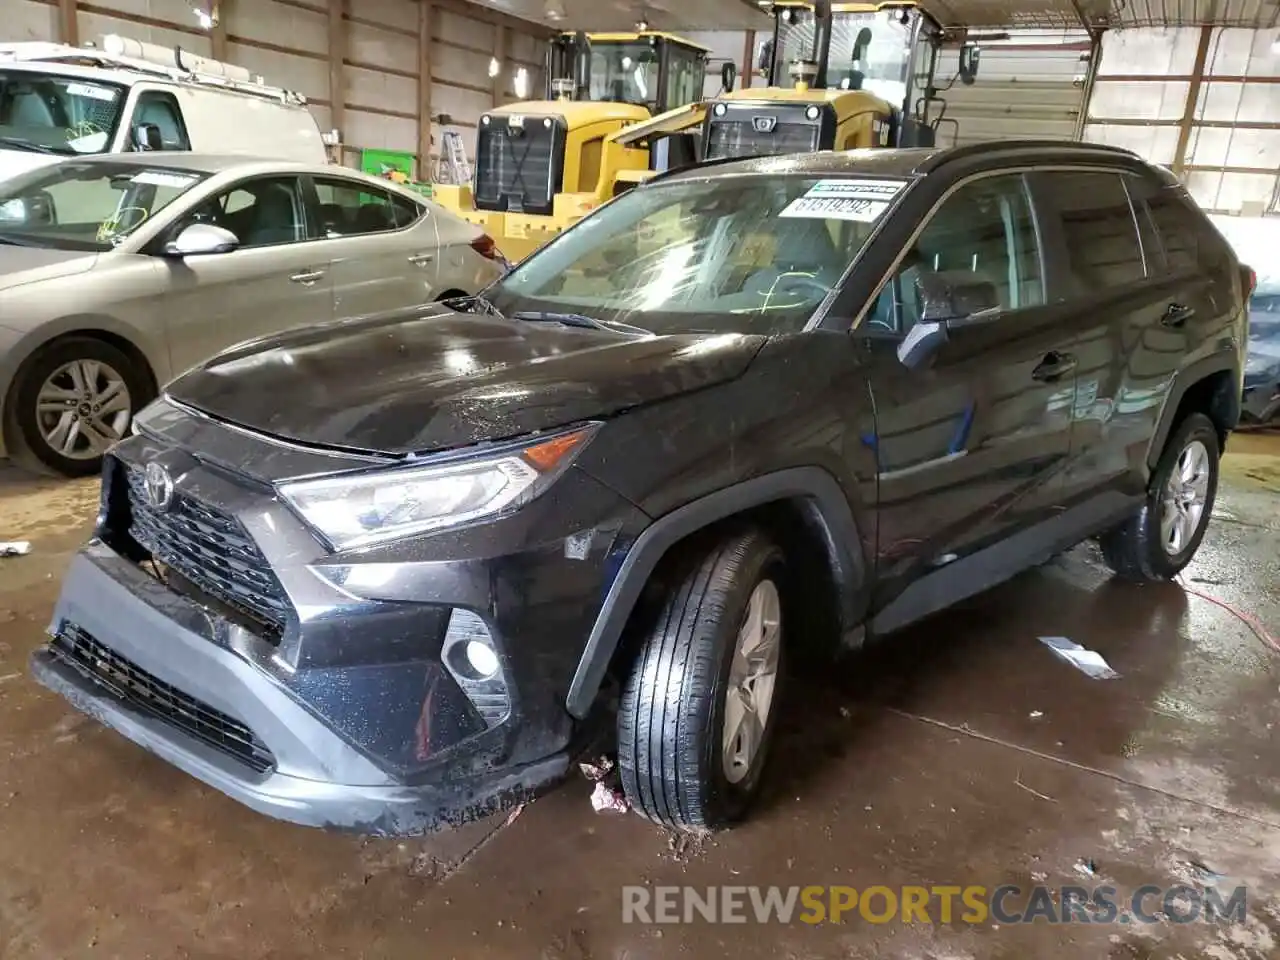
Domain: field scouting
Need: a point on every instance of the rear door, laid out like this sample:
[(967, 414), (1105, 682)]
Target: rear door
[(1129, 338), (970, 445), (382, 256), (275, 280)]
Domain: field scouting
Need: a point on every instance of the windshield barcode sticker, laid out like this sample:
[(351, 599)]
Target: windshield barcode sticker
[(155, 178), (835, 208), (90, 91)]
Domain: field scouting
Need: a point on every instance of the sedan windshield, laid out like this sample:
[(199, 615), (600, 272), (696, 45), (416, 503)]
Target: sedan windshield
[(50, 113), (87, 205), (746, 254)]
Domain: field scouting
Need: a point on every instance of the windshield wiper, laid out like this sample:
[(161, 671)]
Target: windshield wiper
[(484, 304), (579, 320), (20, 144)]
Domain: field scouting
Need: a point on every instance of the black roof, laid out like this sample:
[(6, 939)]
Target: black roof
[(908, 162)]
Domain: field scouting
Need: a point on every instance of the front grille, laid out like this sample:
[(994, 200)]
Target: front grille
[(739, 138), (212, 551), (517, 168), (128, 682)]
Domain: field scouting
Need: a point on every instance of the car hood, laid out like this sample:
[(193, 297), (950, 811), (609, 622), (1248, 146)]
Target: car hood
[(14, 162), (434, 379), (22, 265)]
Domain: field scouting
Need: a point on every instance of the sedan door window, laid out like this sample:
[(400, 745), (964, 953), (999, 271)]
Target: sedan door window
[(261, 213), (351, 208)]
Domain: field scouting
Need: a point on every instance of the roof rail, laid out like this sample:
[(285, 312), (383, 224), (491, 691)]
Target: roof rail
[(171, 63), (952, 154)]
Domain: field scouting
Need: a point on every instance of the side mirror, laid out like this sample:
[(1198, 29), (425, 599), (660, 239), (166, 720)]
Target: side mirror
[(955, 304), (970, 55), (944, 308), (860, 45), (728, 75), (33, 209), (146, 136), (200, 239)]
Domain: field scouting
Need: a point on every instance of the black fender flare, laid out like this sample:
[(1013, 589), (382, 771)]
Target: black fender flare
[(1224, 361), (814, 484)]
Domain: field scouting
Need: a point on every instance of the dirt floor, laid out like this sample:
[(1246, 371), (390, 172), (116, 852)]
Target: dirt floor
[(962, 753)]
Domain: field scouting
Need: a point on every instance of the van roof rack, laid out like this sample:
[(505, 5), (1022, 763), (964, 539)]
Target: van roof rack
[(152, 60)]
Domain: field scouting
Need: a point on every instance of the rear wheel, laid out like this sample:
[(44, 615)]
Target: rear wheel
[(72, 400), (1163, 536), (699, 707)]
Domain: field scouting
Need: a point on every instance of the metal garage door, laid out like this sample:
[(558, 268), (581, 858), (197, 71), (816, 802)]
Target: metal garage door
[(1031, 85)]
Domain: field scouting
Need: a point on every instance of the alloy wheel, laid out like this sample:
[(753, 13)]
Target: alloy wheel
[(1186, 492), (752, 679), (83, 407)]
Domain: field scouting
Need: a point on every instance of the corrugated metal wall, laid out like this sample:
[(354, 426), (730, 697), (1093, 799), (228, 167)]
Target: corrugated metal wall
[(377, 97), (1031, 85)]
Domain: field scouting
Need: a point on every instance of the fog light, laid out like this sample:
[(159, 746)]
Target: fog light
[(811, 113), (482, 660)]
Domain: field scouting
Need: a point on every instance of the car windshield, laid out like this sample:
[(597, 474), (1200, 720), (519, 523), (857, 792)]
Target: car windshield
[(624, 73), (745, 254), (50, 113), (87, 205)]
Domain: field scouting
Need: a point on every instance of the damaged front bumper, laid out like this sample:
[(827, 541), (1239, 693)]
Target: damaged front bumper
[(121, 655), (326, 688)]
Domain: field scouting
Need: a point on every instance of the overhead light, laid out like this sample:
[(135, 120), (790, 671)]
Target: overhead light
[(206, 15), (642, 25), (554, 10), (493, 67), (522, 83)]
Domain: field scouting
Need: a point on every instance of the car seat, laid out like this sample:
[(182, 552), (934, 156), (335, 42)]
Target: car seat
[(373, 218), (273, 217), (801, 245)]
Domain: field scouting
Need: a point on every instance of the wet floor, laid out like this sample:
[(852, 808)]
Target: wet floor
[(963, 753)]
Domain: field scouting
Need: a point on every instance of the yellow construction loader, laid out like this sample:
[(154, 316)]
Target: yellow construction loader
[(839, 76), (542, 165)]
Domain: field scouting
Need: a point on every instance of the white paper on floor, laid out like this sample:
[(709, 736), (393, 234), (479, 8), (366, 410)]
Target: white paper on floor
[(1087, 662)]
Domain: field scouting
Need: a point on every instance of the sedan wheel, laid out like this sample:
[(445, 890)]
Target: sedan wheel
[(82, 408), (71, 401)]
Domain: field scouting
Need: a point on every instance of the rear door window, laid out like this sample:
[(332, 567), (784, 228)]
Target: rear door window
[(351, 208), (1098, 224)]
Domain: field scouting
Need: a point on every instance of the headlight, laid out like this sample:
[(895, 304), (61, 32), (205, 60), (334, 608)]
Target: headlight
[(354, 510)]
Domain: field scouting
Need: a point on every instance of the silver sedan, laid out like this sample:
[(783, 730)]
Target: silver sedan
[(117, 273)]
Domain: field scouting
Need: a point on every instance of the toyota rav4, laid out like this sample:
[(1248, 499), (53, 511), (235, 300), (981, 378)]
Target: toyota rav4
[(379, 574)]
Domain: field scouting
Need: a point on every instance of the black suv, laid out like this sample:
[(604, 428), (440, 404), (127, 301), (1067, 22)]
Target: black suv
[(377, 574)]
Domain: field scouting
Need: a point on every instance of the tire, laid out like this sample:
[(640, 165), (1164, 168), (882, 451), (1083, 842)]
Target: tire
[(671, 750), (63, 367), (1141, 549)]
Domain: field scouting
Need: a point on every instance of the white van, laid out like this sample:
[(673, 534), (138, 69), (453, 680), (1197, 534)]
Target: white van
[(121, 95)]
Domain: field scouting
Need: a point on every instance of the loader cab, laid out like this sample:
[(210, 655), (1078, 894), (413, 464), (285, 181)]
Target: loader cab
[(658, 71), (839, 75)]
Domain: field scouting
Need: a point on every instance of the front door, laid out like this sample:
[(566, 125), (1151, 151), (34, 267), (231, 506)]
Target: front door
[(970, 444), (375, 263), (275, 280)]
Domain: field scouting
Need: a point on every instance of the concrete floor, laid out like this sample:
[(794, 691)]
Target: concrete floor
[(962, 753)]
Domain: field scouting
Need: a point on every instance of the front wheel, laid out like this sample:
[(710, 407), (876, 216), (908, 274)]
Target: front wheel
[(699, 707), (72, 400), (1163, 536)]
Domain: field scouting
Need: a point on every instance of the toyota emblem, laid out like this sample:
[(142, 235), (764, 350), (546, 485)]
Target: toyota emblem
[(763, 124), (159, 486)]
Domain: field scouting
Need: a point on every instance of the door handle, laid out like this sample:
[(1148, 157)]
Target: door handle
[(308, 278), (1054, 366), (422, 259), (1177, 314)]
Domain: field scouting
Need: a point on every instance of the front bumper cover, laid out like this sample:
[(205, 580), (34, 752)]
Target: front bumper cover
[(318, 779)]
